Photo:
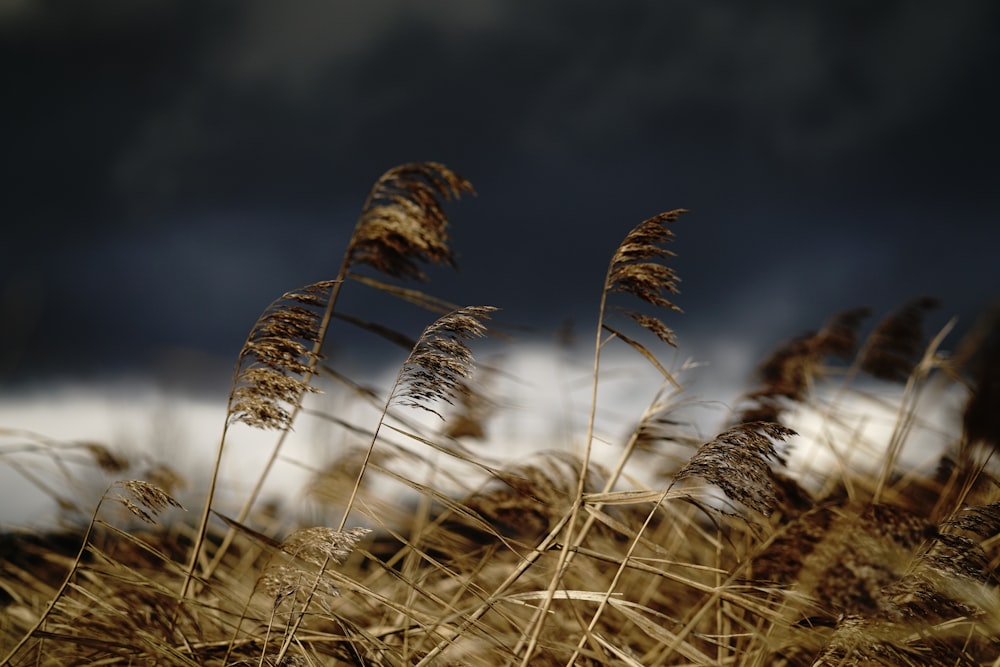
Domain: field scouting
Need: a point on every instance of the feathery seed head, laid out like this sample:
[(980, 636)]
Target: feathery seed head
[(146, 501), (634, 270), (403, 221), (277, 359), (737, 461), (441, 360)]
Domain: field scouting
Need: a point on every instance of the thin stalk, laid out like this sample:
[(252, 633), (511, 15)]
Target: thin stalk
[(205, 512), (617, 577), (62, 588), (565, 554), (364, 465), (522, 567), (290, 632), (907, 408)]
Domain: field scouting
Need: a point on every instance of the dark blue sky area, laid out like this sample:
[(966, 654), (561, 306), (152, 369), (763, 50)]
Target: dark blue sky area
[(169, 167)]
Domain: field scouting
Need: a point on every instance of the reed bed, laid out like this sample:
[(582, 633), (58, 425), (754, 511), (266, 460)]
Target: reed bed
[(684, 550)]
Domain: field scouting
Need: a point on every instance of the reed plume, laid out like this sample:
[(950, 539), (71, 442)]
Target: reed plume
[(278, 359), (441, 360), (789, 373), (896, 344), (738, 462), (403, 220), (981, 418), (434, 370), (145, 500), (308, 549), (319, 544), (635, 269), (940, 608)]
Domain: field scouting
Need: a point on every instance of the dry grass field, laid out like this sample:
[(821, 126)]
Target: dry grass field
[(685, 550)]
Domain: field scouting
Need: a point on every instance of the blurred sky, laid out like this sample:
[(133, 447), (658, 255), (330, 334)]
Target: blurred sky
[(171, 166)]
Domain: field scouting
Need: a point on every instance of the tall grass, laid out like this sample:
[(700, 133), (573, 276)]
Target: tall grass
[(683, 550)]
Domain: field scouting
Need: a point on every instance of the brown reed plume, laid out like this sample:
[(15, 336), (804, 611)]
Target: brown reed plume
[(403, 221), (441, 360), (146, 500), (434, 370), (838, 557), (791, 370), (738, 462), (941, 608), (981, 418), (635, 269), (278, 359), (896, 344)]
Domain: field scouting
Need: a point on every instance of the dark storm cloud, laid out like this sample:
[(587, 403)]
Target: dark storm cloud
[(174, 163)]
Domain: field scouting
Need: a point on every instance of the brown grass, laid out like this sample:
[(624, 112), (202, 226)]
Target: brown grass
[(683, 550)]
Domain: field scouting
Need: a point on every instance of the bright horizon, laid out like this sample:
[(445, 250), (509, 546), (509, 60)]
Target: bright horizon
[(544, 394)]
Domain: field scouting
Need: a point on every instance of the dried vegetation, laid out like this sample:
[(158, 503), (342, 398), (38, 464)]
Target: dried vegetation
[(684, 550)]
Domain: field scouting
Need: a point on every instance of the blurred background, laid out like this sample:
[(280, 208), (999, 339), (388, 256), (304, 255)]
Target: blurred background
[(170, 167)]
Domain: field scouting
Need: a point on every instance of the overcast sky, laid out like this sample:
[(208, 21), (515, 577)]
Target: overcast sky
[(169, 167)]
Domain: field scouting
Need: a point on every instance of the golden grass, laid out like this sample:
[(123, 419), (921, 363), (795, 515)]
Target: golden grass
[(719, 556)]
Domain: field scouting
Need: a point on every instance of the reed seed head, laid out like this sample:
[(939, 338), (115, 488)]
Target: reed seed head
[(441, 360), (277, 360), (403, 222)]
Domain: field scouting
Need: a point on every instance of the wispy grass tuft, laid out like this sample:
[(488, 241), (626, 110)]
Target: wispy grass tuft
[(150, 498), (636, 268)]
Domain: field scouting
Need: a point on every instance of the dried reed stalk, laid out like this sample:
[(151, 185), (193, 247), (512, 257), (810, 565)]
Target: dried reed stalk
[(433, 371), (636, 269)]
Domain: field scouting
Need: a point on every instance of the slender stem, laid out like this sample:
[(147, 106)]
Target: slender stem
[(62, 588), (565, 556), (907, 408), (364, 465), (205, 512), (617, 578), (487, 605), (290, 631)]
